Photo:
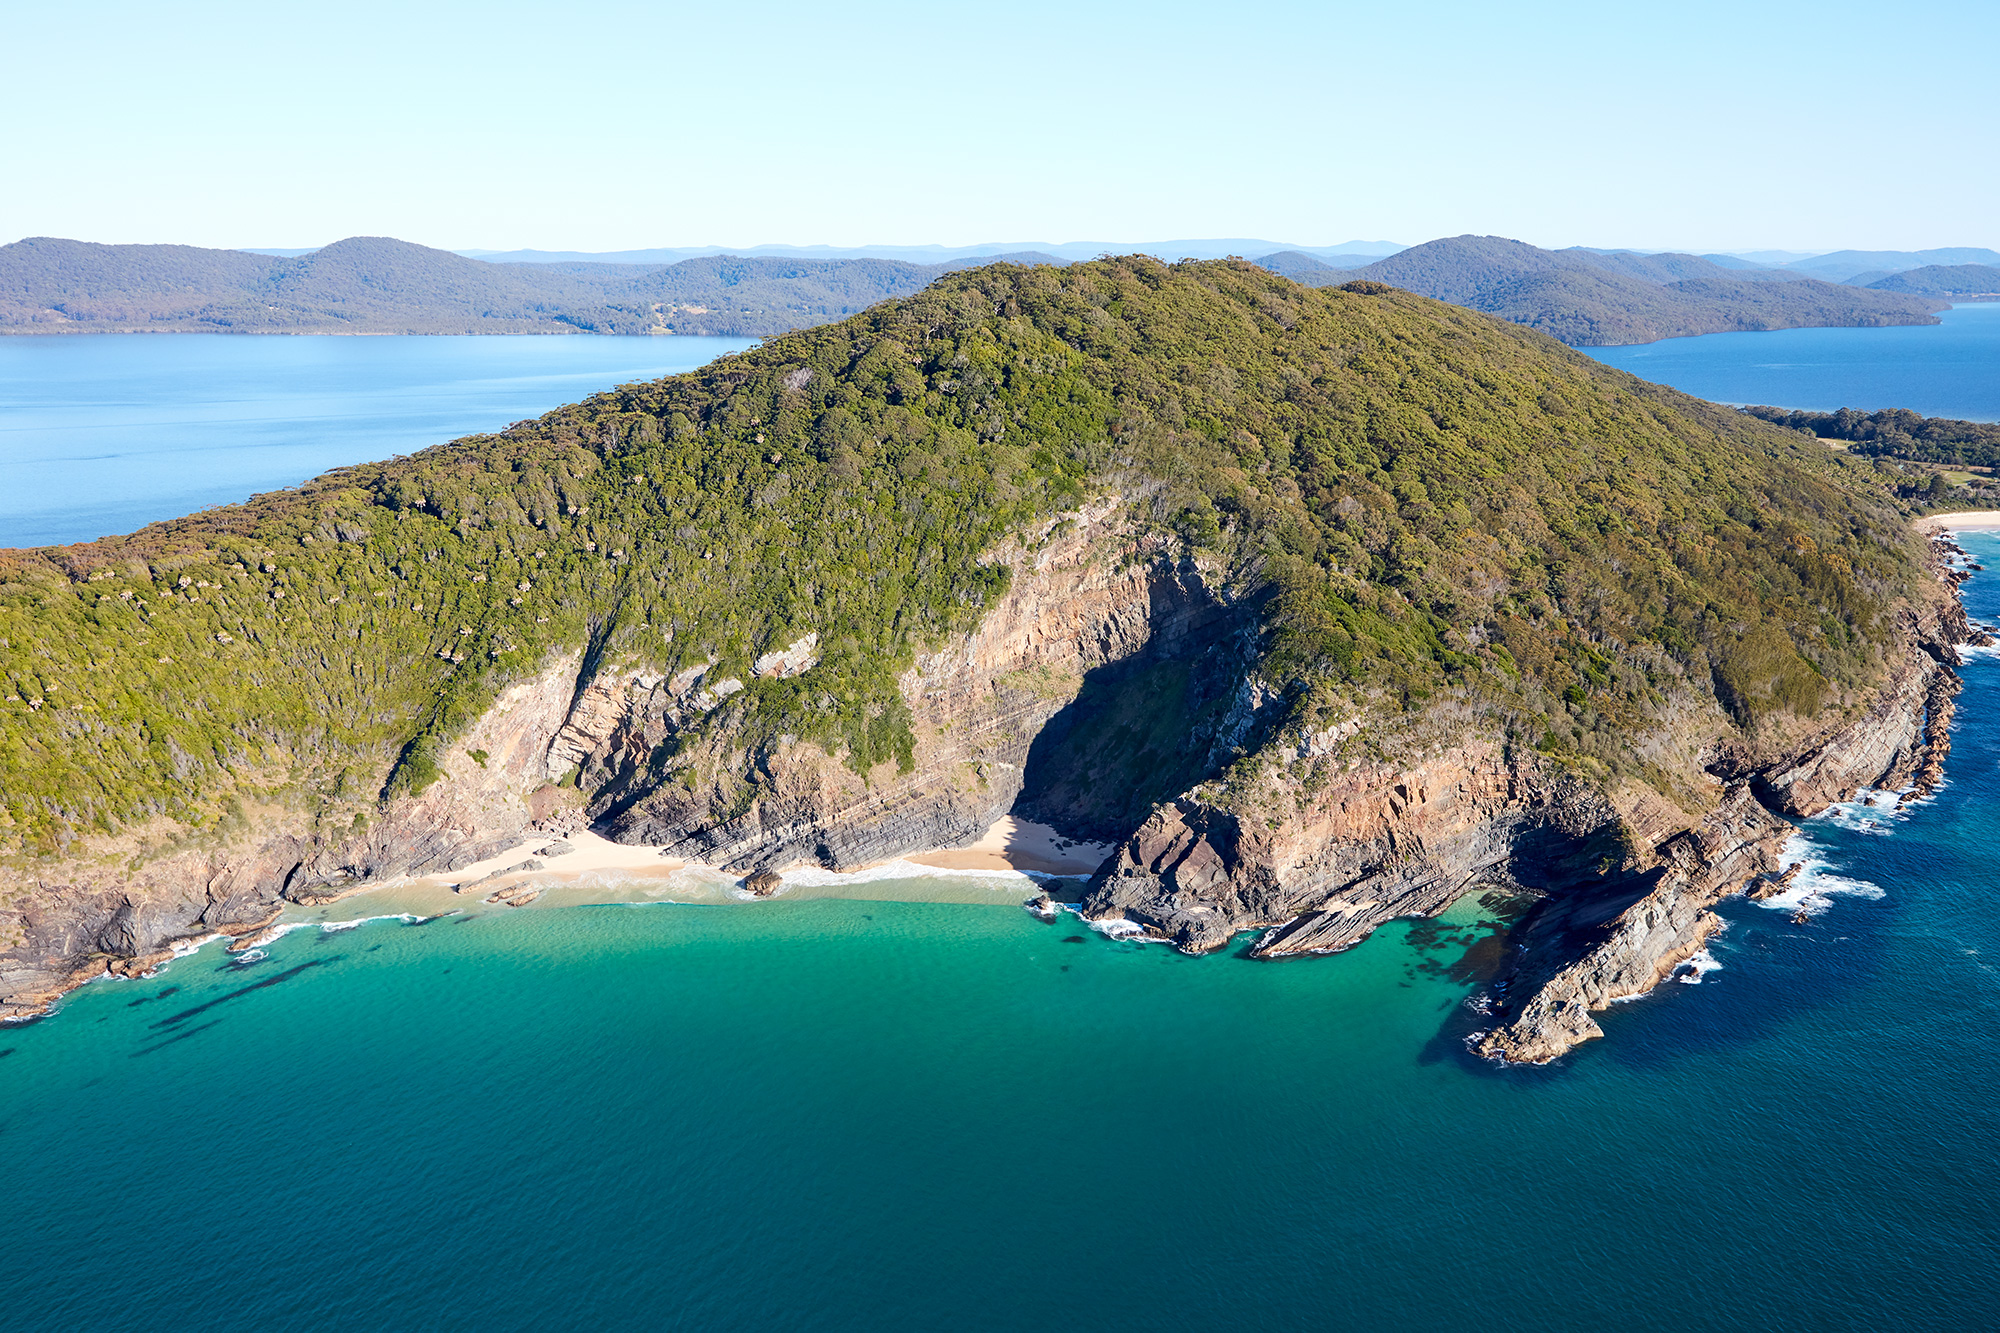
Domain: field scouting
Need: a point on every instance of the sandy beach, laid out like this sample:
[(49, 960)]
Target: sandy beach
[(1970, 518), (1017, 844), (1010, 844)]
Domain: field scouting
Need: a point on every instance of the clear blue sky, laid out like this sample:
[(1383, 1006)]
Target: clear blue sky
[(600, 125)]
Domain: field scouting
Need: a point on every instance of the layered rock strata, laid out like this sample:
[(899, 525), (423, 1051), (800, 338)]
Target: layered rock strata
[(1105, 634), (1087, 594)]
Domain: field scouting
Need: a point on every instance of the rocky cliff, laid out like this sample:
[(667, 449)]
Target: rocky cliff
[(1323, 607), (1090, 594), (1624, 879), (1326, 848)]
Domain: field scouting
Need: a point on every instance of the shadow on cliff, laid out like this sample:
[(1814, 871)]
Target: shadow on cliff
[(1145, 729)]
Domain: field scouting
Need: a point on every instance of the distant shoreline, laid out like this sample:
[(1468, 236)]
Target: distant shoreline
[(1968, 518)]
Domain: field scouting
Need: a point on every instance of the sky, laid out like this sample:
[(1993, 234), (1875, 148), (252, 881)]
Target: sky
[(600, 125)]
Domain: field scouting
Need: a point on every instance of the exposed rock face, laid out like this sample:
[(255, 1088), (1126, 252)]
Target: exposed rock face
[(1368, 845), (1088, 598), (1623, 945), (1880, 750), (1627, 881), (81, 918), (1102, 694)]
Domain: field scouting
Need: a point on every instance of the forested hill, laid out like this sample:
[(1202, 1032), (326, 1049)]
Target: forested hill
[(372, 284), (1588, 299), (1961, 281), (1427, 504)]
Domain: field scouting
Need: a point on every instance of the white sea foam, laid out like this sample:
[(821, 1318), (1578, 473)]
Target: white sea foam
[(1116, 928), (1858, 815), (331, 926), (1817, 883), (815, 877), (1691, 972)]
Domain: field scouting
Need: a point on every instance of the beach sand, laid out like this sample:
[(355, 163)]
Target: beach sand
[(1017, 844), (1970, 518), (1010, 844)]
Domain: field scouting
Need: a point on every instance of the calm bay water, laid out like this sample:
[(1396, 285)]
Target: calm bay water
[(1950, 369), (847, 1115), (102, 434)]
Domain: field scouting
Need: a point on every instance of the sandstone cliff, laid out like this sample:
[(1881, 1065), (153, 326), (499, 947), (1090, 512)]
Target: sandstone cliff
[(1038, 709)]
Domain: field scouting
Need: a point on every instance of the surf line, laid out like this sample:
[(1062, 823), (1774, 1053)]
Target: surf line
[(287, 975)]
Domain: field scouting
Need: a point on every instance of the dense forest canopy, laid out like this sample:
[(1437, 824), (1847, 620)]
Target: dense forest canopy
[(1896, 433), (1432, 508)]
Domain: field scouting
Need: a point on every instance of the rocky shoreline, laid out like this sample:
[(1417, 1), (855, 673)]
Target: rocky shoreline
[(1100, 621)]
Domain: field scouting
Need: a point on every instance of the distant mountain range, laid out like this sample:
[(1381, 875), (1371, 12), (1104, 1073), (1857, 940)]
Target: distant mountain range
[(377, 285), (1361, 252), (1864, 267), (1591, 298), (372, 284)]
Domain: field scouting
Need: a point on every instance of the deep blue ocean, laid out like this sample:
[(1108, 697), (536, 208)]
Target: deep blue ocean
[(887, 1115), (105, 433)]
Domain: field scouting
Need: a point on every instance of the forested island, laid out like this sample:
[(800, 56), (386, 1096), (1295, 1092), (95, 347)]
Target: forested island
[(1325, 606), (1960, 282)]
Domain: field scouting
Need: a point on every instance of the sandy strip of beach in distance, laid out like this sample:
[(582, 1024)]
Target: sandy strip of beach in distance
[(1970, 518), (1018, 844)]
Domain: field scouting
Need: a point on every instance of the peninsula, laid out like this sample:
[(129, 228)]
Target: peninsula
[(1321, 607)]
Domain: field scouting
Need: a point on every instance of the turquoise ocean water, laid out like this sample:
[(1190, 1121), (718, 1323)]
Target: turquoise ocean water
[(883, 1115), (867, 1115), (104, 433)]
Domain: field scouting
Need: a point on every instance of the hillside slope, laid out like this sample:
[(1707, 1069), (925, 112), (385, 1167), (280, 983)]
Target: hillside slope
[(372, 284), (1588, 299), (1956, 281), (1327, 605)]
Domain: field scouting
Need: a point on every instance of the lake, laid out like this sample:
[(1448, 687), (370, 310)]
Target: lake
[(105, 433)]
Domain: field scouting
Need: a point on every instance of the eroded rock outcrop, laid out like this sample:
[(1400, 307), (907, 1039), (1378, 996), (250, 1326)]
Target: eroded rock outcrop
[(1106, 692), (87, 916)]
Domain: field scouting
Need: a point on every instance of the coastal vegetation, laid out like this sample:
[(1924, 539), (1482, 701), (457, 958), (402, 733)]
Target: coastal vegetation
[(1895, 433), (1438, 513)]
